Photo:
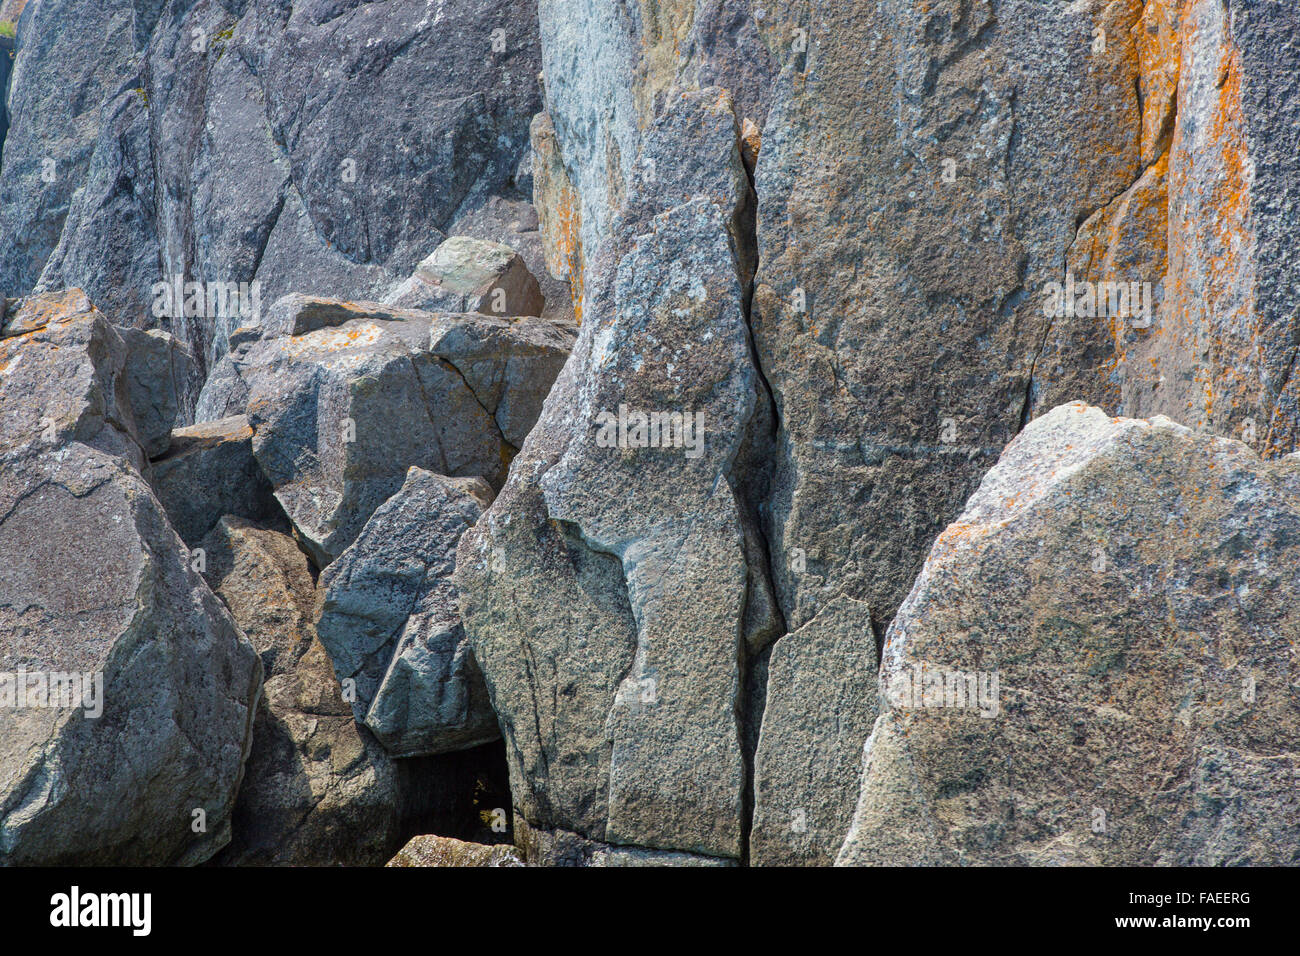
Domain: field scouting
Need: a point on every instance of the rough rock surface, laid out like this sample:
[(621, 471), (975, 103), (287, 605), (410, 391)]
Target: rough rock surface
[(391, 624), (339, 414), (209, 471), (52, 135), (1205, 227), (509, 365), (69, 373), (317, 789), (430, 850), (341, 411), (866, 243), (95, 583), (820, 706), (612, 638), (1132, 586), (203, 140), (471, 275)]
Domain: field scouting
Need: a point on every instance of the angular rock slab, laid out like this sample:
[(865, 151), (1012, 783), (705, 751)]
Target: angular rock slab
[(605, 590), (68, 374), (509, 365), (1132, 586), (209, 471), (94, 580), (430, 850), (391, 624), (363, 391), (317, 789), (820, 706), (340, 414), (471, 275)]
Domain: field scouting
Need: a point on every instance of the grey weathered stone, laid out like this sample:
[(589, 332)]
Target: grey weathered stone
[(340, 414), (390, 621), (209, 471), (820, 706), (513, 221), (471, 275), (557, 204), (109, 240), (214, 155), (71, 57), (623, 572), (1131, 585), (298, 314), (155, 375), (899, 380), (509, 365), (317, 789), (93, 581), (70, 375)]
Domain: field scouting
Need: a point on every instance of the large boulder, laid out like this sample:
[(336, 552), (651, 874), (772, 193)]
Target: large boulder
[(128, 691), (340, 414), (1096, 665), (360, 392), (509, 365), (391, 623), (71, 375), (317, 789), (471, 275)]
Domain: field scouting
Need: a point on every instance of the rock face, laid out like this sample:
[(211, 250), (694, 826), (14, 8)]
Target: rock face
[(52, 135), (1200, 231), (681, 330), (471, 275), (341, 412), (391, 624), (204, 142), (509, 365), (820, 706), (633, 620), (127, 740), (1120, 595)]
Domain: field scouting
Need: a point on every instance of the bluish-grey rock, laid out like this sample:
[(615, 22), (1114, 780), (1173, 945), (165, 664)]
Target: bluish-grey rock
[(391, 623)]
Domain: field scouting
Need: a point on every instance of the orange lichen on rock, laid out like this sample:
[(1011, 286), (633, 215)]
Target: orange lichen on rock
[(559, 210), (1158, 44), (1209, 288)]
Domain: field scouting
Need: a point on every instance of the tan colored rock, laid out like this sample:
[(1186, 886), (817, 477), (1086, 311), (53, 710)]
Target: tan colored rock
[(472, 275), (430, 850), (1096, 665), (558, 212), (317, 789)]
